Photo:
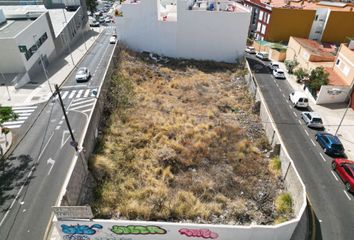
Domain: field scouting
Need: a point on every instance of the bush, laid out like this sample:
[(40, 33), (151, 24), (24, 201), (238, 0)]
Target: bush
[(275, 166), (301, 74), (317, 78), (290, 65), (283, 203)]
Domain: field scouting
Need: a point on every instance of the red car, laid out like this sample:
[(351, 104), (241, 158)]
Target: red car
[(345, 169)]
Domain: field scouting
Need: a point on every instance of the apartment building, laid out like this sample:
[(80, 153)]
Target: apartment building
[(277, 20)]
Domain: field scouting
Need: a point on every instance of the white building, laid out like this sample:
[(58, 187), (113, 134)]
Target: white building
[(186, 29), (23, 29)]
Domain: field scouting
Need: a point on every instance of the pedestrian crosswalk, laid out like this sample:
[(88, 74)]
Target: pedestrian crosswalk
[(77, 93), (23, 113)]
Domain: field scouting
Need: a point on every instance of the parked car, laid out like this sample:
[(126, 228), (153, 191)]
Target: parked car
[(273, 65), (107, 19), (250, 49), (113, 39), (278, 73), (94, 23), (312, 119), (101, 20), (299, 99), (345, 169), (331, 144), (262, 55), (82, 75)]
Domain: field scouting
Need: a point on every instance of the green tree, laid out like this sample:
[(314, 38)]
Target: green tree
[(91, 5), (317, 78), (290, 65), (7, 114), (301, 74)]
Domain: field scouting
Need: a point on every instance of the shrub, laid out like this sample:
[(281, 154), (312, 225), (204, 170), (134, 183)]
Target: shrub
[(275, 166), (317, 78), (301, 74), (283, 203), (290, 65)]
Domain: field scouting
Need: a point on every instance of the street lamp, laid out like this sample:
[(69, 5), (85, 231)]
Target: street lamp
[(42, 63), (336, 92)]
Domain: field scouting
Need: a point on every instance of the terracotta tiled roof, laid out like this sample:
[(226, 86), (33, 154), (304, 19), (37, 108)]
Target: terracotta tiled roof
[(325, 50), (334, 79), (298, 4)]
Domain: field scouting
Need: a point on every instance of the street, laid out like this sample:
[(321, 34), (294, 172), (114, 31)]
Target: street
[(32, 178), (332, 205)]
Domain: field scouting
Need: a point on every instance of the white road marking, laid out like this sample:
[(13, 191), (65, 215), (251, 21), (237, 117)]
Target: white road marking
[(13, 126), (52, 162), (280, 90), (79, 93), (72, 94), (89, 100), (87, 92), (306, 132), (324, 159), (57, 127), (64, 95), (12, 122), (334, 175), (87, 110), (25, 107), (299, 121), (64, 138), (283, 95), (61, 122), (345, 192), (45, 146), (290, 106), (313, 142), (294, 114), (23, 114), (82, 106)]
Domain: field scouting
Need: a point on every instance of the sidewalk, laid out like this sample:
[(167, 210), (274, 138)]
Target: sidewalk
[(39, 91), (331, 115)]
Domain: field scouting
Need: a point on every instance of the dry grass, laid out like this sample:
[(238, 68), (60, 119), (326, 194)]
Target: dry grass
[(183, 145)]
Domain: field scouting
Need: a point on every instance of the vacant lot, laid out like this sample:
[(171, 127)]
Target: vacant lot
[(182, 144)]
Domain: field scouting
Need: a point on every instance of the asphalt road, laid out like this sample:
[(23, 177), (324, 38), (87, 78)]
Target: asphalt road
[(332, 206), (32, 178)]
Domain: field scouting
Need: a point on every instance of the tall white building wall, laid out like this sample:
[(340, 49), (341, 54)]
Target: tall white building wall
[(205, 35)]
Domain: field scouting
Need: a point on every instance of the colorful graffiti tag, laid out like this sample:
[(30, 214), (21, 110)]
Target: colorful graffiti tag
[(202, 233), (80, 229), (144, 230)]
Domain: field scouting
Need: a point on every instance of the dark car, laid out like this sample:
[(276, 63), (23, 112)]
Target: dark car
[(345, 169), (331, 144)]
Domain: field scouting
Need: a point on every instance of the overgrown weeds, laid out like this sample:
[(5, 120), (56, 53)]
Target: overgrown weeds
[(182, 144)]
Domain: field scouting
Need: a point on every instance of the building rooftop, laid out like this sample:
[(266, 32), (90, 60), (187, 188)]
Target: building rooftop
[(326, 51), (334, 79), (311, 5), (56, 15), (13, 27)]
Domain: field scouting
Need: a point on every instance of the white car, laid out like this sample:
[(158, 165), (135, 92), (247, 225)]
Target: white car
[(278, 73), (107, 19), (251, 50), (312, 119), (299, 99), (82, 75), (273, 65), (262, 55), (113, 39)]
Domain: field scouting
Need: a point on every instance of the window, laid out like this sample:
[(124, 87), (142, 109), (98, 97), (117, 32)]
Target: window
[(259, 26), (338, 62), (263, 29), (316, 17), (265, 17), (268, 17), (29, 53), (260, 16)]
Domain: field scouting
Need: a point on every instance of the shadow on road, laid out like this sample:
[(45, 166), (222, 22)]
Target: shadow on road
[(257, 66), (13, 174)]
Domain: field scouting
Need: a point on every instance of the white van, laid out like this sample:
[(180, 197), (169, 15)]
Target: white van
[(299, 99)]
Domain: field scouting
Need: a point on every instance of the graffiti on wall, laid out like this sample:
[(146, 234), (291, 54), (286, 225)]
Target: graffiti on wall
[(80, 229), (136, 229), (201, 233)]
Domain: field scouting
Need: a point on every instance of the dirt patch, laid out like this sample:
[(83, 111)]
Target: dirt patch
[(182, 144)]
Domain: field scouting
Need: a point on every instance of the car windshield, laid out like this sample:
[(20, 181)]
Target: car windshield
[(317, 120), (337, 147), (81, 71)]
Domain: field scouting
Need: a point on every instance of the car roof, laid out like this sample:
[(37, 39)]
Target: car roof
[(279, 70), (313, 114), (82, 68), (333, 139)]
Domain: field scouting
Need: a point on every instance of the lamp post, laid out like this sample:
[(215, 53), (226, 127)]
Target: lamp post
[(65, 24), (42, 63), (336, 92)]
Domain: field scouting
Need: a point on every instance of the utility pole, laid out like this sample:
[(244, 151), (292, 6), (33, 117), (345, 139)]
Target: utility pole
[(73, 141)]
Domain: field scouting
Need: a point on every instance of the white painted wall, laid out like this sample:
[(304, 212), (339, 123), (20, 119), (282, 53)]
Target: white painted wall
[(324, 97), (205, 35)]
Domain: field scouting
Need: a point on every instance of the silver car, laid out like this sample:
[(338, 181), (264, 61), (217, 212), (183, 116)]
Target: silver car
[(278, 73), (82, 75), (312, 119)]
